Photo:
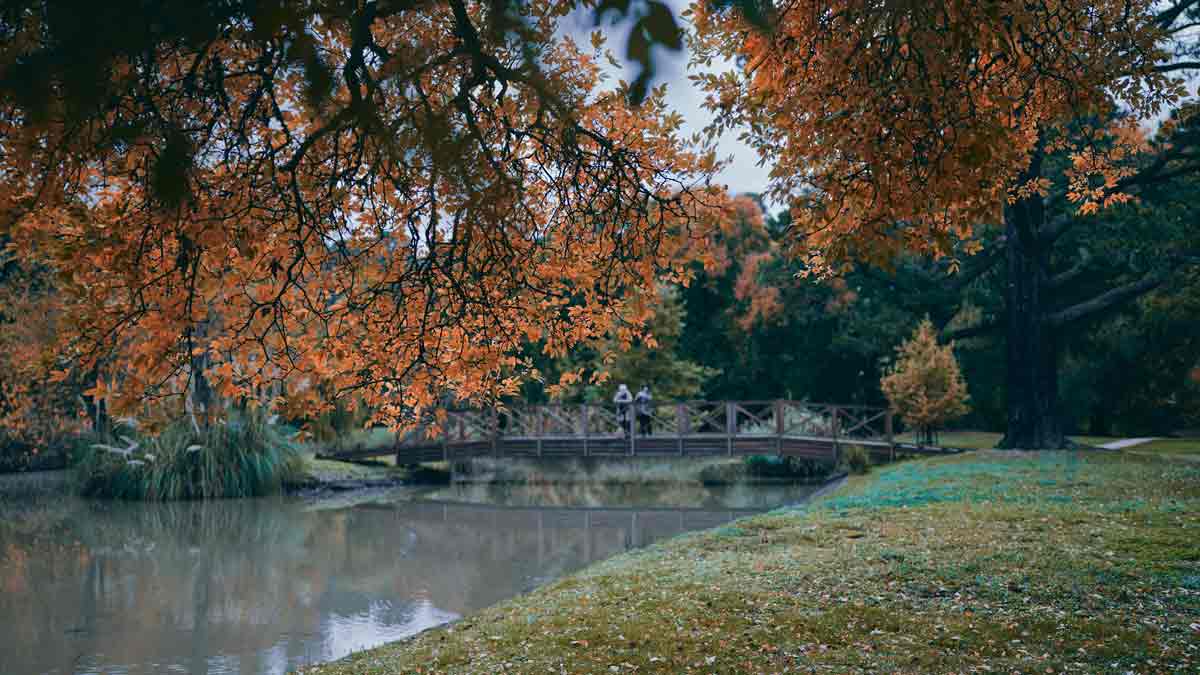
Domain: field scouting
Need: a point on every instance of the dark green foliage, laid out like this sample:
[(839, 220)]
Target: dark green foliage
[(426, 475), (16, 454), (775, 466), (243, 457), (670, 376), (855, 459), (1131, 369), (764, 467)]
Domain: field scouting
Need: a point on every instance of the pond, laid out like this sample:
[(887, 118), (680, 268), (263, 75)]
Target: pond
[(265, 585)]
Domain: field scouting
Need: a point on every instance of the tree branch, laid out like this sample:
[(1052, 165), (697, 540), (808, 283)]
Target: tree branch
[(984, 262), (978, 330), (1168, 16), (1063, 278), (1110, 298), (1180, 65)]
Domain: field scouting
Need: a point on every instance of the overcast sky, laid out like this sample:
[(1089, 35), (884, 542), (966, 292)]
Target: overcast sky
[(743, 174)]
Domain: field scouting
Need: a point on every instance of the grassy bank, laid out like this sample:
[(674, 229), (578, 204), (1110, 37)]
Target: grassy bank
[(990, 561)]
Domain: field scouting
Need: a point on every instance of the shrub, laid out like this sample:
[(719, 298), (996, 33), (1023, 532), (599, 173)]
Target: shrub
[(773, 466), (723, 473), (244, 456), (855, 459), (428, 475), (925, 384)]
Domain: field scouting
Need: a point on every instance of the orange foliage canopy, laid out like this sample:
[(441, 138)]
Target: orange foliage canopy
[(451, 194), (897, 125)]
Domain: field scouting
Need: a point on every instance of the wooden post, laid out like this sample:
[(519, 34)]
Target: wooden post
[(779, 426), (730, 425), (837, 413), (445, 441), (629, 417), (495, 430), (586, 414), (888, 431), (538, 427), (681, 423)]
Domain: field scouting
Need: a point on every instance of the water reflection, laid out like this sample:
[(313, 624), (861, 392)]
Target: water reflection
[(261, 586), (742, 496)]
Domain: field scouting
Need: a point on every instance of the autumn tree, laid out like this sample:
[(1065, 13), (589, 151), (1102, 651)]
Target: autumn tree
[(899, 126), (924, 384), (652, 360), (37, 411), (382, 201)]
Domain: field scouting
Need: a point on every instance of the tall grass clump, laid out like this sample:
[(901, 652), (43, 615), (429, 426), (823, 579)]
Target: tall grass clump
[(244, 456)]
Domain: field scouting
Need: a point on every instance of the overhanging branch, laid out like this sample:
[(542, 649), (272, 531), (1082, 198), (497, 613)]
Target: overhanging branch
[(1168, 15), (1109, 299), (978, 330), (1063, 278)]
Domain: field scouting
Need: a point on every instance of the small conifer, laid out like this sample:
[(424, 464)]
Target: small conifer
[(925, 384)]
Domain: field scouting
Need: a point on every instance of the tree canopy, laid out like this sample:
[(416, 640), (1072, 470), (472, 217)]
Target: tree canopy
[(383, 199), (904, 126), (941, 128), (389, 202)]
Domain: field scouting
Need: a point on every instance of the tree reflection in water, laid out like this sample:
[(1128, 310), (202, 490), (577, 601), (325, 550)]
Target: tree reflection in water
[(260, 586)]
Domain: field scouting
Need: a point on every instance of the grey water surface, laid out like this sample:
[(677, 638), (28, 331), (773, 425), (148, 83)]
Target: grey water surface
[(256, 586)]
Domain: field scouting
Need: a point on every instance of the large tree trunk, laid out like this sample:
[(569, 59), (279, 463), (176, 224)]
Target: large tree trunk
[(1033, 421)]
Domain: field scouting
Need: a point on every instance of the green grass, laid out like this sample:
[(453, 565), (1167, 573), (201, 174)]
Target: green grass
[(984, 440), (1170, 446), (984, 562), (1095, 440), (971, 440), (325, 470)]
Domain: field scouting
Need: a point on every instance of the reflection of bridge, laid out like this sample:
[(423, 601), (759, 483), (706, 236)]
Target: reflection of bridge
[(637, 526), (690, 429)]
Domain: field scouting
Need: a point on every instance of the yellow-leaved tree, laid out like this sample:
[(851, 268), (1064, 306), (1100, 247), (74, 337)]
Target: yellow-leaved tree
[(925, 384)]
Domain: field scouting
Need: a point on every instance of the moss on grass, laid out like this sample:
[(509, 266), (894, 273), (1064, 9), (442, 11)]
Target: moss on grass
[(992, 561)]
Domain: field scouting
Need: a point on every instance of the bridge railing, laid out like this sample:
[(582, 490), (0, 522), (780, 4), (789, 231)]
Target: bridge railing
[(770, 418)]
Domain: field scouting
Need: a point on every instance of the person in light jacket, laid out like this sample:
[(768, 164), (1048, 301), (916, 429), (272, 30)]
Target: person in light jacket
[(622, 400)]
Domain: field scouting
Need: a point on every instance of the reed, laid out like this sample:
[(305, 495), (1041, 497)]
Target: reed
[(245, 456)]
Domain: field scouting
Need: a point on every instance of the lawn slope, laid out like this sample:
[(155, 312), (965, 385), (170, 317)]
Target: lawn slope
[(989, 561)]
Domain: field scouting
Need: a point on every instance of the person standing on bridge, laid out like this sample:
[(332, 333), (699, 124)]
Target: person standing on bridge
[(622, 400), (642, 402)]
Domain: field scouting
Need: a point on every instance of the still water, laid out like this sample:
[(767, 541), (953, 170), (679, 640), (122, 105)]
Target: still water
[(265, 585)]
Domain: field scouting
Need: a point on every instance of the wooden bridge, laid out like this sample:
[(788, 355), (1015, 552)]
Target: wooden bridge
[(688, 429)]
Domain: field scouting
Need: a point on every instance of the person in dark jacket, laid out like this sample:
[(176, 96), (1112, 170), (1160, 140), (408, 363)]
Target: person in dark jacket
[(642, 404)]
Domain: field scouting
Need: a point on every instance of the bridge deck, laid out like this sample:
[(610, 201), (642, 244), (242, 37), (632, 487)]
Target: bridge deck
[(690, 429)]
